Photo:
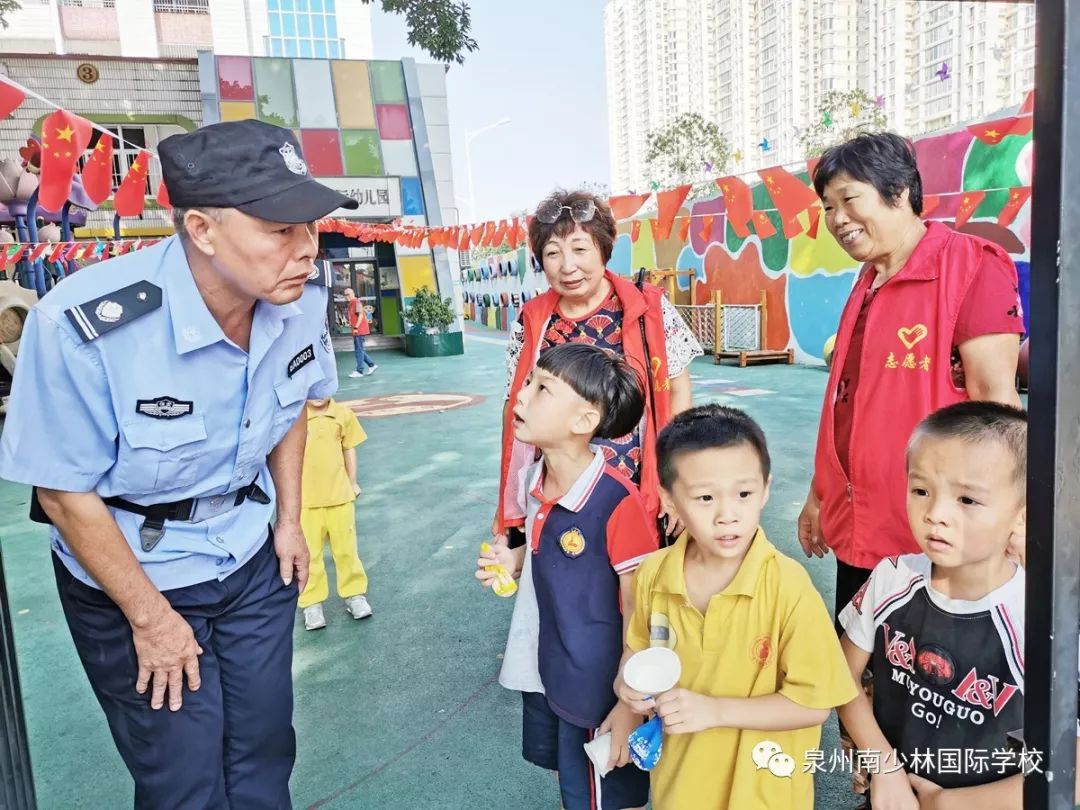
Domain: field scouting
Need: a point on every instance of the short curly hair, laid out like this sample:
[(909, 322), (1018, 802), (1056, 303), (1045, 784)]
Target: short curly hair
[(601, 227)]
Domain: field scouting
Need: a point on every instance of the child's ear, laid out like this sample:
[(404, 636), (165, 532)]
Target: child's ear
[(588, 419), (1017, 547), (768, 487), (667, 501)]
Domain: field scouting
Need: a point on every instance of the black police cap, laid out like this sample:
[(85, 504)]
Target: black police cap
[(253, 166)]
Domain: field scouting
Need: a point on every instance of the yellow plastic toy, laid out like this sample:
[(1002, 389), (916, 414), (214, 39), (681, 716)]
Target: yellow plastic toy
[(504, 584)]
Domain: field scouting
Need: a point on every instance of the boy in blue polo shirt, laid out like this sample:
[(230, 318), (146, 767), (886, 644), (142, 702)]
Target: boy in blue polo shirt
[(587, 532)]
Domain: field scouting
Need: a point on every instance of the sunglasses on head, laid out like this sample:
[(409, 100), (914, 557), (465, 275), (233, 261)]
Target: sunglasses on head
[(550, 211)]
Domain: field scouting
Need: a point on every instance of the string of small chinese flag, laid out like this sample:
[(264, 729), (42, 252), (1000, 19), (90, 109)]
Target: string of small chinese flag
[(66, 136), (70, 251)]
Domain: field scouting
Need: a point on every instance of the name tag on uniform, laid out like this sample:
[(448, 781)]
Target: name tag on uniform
[(302, 359)]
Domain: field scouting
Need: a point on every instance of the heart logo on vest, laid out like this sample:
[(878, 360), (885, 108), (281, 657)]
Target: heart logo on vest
[(910, 335)]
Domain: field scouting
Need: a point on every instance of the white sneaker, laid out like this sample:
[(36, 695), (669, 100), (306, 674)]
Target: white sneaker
[(314, 618), (370, 371), (358, 607), (356, 374)]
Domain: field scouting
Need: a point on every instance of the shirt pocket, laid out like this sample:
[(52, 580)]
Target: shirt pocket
[(291, 394), (158, 455)]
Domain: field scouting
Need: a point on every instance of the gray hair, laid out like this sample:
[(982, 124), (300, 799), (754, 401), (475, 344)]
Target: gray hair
[(178, 214)]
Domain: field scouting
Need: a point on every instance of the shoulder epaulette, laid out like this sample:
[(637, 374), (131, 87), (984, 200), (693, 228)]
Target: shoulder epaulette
[(321, 276), (112, 310)]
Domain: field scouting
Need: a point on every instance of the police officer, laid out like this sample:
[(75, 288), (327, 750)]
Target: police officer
[(157, 410)]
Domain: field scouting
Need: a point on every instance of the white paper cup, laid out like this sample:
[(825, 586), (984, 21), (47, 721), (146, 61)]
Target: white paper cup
[(653, 671), (598, 750)]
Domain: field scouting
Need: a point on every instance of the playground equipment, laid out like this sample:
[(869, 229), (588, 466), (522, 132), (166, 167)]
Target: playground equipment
[(732, 331)]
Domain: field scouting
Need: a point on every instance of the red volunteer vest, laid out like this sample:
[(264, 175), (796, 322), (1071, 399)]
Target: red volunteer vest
[(905, 374), (358, 318), (516, 456)]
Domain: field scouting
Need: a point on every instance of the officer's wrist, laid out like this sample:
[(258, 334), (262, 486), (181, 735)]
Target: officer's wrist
[(147, 612)]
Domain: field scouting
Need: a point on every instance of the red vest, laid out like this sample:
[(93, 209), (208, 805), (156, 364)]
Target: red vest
[(516, 456), (358, 318), (904, 375)]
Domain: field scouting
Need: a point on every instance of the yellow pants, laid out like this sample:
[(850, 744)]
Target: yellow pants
[(339, 523)]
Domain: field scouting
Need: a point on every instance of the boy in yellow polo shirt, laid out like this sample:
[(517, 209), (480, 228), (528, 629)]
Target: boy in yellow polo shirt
[(761, 664), (326, 509)]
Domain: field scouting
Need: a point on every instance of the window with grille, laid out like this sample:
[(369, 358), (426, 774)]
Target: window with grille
[(182, 6)]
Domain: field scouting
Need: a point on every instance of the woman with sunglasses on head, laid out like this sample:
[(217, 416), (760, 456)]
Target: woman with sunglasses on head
[(572, 235)]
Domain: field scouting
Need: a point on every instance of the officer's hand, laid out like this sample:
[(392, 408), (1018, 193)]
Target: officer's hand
[(166, 650), (292, 552)]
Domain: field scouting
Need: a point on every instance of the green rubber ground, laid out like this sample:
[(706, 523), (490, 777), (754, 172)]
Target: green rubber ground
[(401, 710)]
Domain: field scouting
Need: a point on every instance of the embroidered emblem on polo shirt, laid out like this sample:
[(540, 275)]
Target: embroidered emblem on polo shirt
[(761, 650), (302, 358), (164, 407), (572, 543)]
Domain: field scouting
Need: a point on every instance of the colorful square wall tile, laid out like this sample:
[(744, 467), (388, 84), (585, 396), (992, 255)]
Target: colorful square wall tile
[(274, 86), (352, 91), (314, 94), (361, 149), (388, 82), (399, 158), (412, 196), (416, 272), (393, 122), (322, 151), (234, 78), (237, 110)]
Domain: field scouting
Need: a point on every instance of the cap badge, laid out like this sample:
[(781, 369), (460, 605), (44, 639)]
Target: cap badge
[(293, 161)]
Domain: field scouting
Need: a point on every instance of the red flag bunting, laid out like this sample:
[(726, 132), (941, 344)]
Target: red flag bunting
[(625, 206), (635, 230), (739, 202), (463, 244), (97, 171), (163, 196), (930, 204), (684, 229), (992, 132), (64, 137), (706, 228), (790, 195), (1017, 198), (57, 251), (667, 206), (763, 225), (968, 203), (130, 199), (1028, 107), (38, 251), (10, 98)]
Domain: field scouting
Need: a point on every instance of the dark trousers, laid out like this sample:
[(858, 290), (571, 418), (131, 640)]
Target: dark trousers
[(362, 357), (231, 746), (848, 581)]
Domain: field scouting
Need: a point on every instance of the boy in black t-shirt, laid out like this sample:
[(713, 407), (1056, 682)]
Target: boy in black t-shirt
[(943, 631)]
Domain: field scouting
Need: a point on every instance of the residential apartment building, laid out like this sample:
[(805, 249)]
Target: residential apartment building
[(152, 29), (759, 68)]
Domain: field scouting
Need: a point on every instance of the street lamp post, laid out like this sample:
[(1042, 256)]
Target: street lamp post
[(469, 137)]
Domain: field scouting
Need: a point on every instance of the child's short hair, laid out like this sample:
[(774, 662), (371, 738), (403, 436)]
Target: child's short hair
[(708, 427), (978, 422), (602, 378)]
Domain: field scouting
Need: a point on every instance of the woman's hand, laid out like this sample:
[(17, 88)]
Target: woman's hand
[(498, 538), (810, 527)]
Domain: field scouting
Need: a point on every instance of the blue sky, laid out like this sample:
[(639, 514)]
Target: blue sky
[(543, 68)]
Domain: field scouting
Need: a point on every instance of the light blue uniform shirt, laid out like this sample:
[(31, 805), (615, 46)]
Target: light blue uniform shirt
[(95, 415)]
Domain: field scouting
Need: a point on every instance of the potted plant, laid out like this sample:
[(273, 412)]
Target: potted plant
[(428, 318)]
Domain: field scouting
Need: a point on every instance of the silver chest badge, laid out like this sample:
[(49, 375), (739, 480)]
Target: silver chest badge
[(293, 161)]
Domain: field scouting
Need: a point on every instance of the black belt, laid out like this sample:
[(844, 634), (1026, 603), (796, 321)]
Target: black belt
[(153, 527)]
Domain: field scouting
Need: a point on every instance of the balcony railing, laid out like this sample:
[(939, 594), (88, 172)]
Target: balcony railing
[(181, 6)]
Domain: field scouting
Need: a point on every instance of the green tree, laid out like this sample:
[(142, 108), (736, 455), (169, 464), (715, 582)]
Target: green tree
[(843, 115), (6, 7), (440, 27), (688, 150)]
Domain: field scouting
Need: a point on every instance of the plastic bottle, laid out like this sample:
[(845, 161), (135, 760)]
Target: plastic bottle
[(504, 584)]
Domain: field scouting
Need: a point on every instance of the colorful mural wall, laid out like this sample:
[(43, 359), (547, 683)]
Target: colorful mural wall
[(977, 176)]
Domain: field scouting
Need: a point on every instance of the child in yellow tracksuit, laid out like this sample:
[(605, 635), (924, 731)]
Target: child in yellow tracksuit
[(328, 492)]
